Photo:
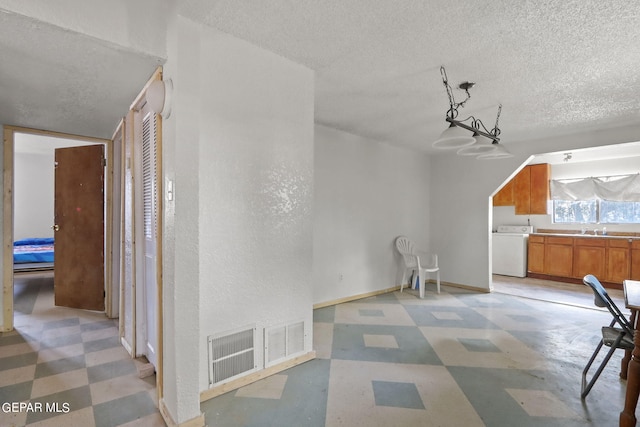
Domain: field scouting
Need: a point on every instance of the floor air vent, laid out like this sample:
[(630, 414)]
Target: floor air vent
[(281, 342), (231, 354)]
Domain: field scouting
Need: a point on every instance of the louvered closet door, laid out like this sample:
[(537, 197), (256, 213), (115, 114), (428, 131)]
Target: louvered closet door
[(150, 227)]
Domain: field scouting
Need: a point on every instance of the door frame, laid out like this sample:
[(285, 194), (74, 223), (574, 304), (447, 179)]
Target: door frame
[(8, 217), (129, 125)]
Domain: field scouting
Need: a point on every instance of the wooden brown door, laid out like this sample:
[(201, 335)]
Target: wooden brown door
[(79, 227)]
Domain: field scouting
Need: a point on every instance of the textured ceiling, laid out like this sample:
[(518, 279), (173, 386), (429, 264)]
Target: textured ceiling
[(55, 79), (557, 66)]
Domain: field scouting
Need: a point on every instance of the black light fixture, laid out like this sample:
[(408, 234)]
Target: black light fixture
[(469, 136)]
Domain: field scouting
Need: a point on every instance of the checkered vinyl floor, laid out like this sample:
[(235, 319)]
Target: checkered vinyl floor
[(457, 358), (69, 366)]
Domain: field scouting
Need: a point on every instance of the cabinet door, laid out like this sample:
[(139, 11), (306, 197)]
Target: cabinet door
[(504, 197), (589, 260), (536, 257), (558, 260), (522, 191), (539, 187), (635, 259), (618, 264)]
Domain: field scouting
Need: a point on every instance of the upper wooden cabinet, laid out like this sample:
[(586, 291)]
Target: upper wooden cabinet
[(522, 191), (539, 188), (528, 191), (504, 197), (531, 190)]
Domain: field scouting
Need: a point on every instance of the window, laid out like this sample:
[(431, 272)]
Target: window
[(619, 212), (595, 211), (597, 200), (580, 211)]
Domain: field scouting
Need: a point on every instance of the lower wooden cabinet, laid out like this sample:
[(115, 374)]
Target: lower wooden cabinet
[(558, 256), (589, 257), (618, 260), (535, 255), (635, 259), (610, 259)]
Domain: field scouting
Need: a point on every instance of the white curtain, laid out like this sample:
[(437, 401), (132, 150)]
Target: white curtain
[(617, 189)]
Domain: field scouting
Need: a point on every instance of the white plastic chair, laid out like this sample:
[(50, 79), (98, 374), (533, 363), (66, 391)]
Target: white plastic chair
[(413, 263)]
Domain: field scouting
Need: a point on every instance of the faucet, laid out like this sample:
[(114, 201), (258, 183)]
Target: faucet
[(595, 231), (584, 230)]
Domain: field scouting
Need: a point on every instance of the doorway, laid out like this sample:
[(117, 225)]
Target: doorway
[(610, 160), (36, 144)]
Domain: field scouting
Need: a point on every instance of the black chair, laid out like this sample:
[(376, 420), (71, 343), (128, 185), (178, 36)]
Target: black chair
[(619, 333)]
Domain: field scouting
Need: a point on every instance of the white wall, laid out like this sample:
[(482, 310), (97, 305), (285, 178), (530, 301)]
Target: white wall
[(606, 167), (366, 194), (2, 322), (180, 238), (239, 146), (460, 191), (33, 195), (256, 190)]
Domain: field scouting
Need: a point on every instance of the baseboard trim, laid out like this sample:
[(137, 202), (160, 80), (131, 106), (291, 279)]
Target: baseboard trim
[(355, 297), (251, 378), (198, 421), (393, 289), (467, 287)]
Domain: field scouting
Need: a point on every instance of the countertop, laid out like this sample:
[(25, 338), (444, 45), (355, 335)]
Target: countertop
[(571, 233)]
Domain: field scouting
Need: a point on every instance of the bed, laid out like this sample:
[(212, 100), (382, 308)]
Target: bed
[(33, 254)]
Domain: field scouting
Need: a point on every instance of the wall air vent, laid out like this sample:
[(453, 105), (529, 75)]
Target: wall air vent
[(281, 342), (231, 354)]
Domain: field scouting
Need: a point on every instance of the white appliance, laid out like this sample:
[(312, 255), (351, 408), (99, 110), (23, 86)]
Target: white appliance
[(510, 250)]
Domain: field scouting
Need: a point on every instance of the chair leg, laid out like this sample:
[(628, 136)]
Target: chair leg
[(404, 279), (438, 280), (421, 285), (586, 387)]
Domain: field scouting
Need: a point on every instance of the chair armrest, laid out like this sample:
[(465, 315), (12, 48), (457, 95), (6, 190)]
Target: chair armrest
[(428, 260)]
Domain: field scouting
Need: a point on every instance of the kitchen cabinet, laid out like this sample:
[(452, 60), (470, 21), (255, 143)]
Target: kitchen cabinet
[(522, 191), (635, 259), (535, 255), (528, 191), (539, 188), (618, 260), (504, 197), (589, 257), (611, 259), (558, 256)]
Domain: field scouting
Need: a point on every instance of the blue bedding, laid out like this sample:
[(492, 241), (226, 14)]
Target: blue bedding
[(39, 249)]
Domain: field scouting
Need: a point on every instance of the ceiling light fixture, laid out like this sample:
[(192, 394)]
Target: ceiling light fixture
[(481, 141)]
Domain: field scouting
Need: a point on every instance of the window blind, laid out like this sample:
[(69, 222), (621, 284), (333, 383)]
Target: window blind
[(625, 188)]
